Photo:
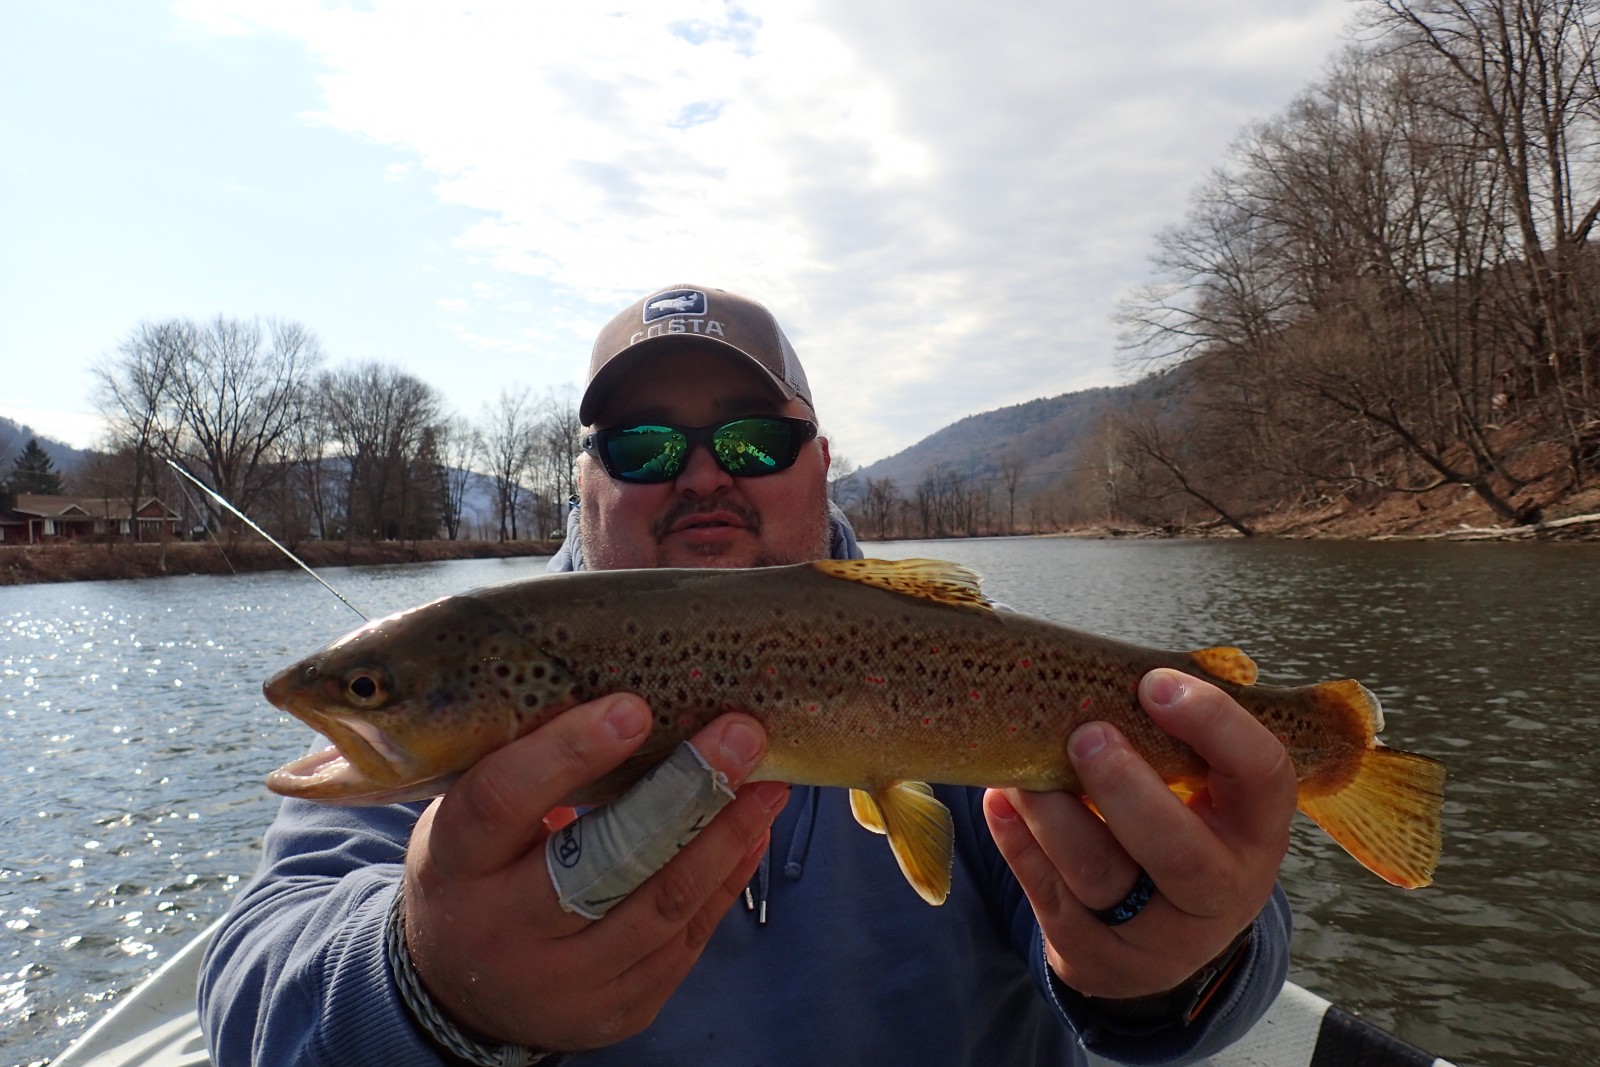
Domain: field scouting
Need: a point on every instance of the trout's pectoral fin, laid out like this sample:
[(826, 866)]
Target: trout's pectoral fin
[(920, 833), (1225, 662)]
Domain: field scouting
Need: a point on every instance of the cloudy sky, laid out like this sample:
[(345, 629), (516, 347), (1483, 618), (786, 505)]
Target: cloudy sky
[(942, 201)]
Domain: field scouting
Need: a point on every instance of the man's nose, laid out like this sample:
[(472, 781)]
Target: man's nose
[(701, 473)]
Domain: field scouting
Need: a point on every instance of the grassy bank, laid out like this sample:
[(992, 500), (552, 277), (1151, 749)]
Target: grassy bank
[(21, 564)]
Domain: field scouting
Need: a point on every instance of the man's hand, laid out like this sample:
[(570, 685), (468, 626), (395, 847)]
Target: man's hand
[(484, 928), (1213, 861)]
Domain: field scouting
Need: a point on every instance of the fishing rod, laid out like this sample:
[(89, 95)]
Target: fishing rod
[(220, 499)]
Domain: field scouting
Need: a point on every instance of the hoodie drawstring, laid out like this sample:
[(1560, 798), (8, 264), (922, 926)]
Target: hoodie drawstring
[(756, 899)]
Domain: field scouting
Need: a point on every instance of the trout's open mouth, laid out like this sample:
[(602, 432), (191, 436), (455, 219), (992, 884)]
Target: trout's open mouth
[(364, 766)]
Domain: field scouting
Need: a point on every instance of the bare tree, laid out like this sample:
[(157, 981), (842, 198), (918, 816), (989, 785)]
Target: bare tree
[(460, 444), (879, 505), (553, 460), (133, 394), (508, 446), (380, 420), (219, 399), (842, 481), (1012, 464), (1524, 76)]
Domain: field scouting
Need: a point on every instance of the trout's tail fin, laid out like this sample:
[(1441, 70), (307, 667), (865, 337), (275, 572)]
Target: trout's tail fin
[(1388, 816)]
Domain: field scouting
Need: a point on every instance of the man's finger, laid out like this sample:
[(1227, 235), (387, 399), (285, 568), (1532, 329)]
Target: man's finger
[(603, 856), (1251, 780), (597, 866), (1173, 844), (495, 814), (1075, 846), (662, 911)]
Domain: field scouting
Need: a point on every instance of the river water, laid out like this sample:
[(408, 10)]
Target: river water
[(133, 743)]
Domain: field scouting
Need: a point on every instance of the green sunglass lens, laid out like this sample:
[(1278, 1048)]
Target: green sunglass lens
[(647, 453), (752, 446)]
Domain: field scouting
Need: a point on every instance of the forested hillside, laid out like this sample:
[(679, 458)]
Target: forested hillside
[(1386, 302), (14, 437)]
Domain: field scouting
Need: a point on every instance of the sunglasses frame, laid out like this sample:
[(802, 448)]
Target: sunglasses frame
[(801, 432)]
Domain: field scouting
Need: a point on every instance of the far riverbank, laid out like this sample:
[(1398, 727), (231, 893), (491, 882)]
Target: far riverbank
[(1443, 514), (23, 564)]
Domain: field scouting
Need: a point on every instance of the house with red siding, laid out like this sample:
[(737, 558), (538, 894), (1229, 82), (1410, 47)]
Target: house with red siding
[(35, 519)]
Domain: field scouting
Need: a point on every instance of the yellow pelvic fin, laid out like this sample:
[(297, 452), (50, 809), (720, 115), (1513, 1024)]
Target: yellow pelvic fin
[(1225, 662), (1387, 817), (920, 834), (865, 809), (930, 579)]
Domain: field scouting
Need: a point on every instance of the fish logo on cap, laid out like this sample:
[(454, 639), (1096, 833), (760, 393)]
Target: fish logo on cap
[(675, 302)]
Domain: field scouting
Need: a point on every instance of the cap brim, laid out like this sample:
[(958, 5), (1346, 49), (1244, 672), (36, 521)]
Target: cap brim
[(623, 363)]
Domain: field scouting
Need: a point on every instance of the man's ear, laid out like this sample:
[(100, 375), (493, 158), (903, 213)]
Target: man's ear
[(827, 457)]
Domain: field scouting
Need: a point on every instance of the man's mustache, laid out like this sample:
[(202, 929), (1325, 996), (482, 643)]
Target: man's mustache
[(689, 507)]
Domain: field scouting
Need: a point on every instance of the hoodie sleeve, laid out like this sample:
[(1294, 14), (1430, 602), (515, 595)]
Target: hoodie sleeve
[(1243, 999), (297, 976)]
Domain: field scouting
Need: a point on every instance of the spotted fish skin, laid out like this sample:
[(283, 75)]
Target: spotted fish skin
[(866, 674)]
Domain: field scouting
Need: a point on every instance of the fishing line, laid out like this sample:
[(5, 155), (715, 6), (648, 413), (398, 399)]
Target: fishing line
[(214, 495), (210, 536)]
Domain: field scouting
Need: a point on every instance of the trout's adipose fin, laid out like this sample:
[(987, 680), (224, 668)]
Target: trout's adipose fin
[(920, 833), (1225, 662), (930, 579)]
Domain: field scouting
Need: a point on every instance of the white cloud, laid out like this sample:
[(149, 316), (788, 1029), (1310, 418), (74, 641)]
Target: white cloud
[(942, 200), (80, 429)]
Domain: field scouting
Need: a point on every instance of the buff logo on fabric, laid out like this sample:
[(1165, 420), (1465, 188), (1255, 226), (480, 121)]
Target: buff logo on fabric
[(569, 845), (675, 302)]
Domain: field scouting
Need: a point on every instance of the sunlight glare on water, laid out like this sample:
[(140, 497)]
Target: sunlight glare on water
[(134, 742)]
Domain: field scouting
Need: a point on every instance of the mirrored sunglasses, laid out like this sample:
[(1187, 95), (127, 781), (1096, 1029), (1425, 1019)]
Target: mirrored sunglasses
[(655, 452)]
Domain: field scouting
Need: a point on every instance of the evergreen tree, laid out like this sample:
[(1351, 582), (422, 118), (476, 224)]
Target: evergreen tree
[(33, 472)]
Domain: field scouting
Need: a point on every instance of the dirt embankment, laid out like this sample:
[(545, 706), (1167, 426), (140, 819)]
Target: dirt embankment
[(20, 564), (1566, 509)]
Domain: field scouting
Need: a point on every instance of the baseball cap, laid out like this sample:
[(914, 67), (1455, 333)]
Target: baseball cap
[(682, 314)]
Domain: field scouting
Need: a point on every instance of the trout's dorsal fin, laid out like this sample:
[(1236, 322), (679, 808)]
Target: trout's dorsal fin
[(1229, 664), (920, 831), (931, 579)]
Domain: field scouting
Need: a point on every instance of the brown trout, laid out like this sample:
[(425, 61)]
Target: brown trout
[(873, 675)]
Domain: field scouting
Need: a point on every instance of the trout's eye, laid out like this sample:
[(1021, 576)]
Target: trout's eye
[(366, 688)]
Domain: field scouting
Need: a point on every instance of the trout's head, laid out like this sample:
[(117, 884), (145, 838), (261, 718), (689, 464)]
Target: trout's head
[(411, 701)]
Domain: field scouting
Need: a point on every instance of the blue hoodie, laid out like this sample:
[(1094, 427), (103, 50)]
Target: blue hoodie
[(835, 961)]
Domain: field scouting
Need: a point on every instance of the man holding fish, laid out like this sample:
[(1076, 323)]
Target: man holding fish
[(1146, 927)]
